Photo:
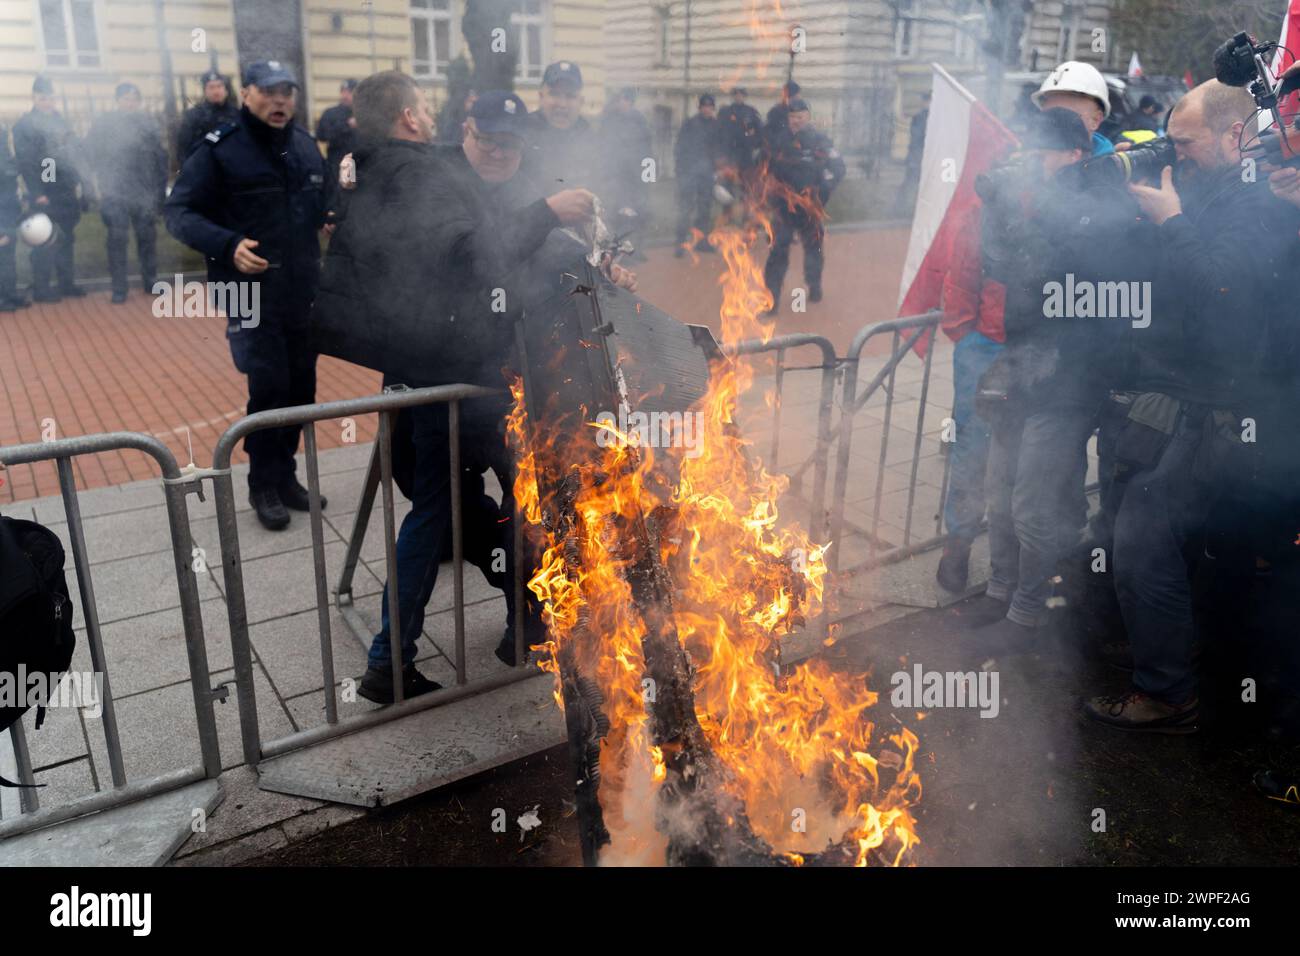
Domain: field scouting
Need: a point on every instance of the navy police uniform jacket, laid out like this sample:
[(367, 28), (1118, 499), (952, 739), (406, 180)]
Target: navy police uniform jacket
[(250, 180)]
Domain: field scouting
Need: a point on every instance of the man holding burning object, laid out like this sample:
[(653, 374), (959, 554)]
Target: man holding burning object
[(429, 257)]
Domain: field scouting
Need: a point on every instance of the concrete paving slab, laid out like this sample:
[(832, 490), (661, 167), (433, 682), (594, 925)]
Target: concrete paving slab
[(289, 649), (132, 496), (123, 534), (132, 587), (256, 541), (418, 753), (281, 584), (143, 833)]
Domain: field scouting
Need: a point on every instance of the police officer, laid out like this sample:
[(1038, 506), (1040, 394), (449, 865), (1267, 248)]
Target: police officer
[(251, 199), (336, 128), (560, 148), (808, 163), (625, 144), (10, 212), (742, 130), (216, 109), (696, 155), (45, 147), (130, 167)]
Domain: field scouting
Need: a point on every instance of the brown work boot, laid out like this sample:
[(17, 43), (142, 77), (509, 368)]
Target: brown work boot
[(1134, 710)]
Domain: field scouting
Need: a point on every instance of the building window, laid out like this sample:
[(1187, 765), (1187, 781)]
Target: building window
[(435, 40), (528, 23), (663, 36), (68, 28), (907, 28)]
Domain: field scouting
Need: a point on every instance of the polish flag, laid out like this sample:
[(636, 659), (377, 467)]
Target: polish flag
[(1287, 53), (962, 140), (1134, 65)]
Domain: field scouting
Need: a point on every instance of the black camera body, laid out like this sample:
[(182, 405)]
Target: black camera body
[(1139, 164)]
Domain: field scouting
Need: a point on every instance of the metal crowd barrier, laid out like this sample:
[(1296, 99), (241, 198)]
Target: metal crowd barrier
[(905, 332), (176, 485), (819, 458), (379, 477)]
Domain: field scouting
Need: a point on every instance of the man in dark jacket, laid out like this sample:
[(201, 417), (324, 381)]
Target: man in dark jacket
[(428, 260), (217, 108), (1227, 273), (1054, 244), (696, 155), (251, 200), (46, 150), (742, 130), (10, 212), (625, 144), (561, 149), (808, 164), (337, 130), (130, 167)]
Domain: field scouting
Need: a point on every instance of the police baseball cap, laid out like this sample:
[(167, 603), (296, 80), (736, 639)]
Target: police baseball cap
[(706, 99), (739, 91), (209, 76), (498, 111), (348, 85), (42, 84), (265, 74), (1057, 128), (563, 73), (799, 106)]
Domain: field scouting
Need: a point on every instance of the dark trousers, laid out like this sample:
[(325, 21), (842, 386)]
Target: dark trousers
[(1162, 509), (58, 258), (8, 265), (1036, 504), (281, 373), (424, 540), (120, 217), (785, 225), (694, 205)]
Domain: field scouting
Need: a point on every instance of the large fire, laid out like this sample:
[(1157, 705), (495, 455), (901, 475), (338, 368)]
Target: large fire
[(795, 744)]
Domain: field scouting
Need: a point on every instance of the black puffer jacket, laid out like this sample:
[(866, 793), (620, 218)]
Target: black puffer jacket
[(408, 285)]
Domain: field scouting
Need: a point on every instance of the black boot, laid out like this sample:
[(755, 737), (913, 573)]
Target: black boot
[(982, 611), (71, 291), (295, 496), (45, 295), (270, 509), (954, 566), (377, 684)]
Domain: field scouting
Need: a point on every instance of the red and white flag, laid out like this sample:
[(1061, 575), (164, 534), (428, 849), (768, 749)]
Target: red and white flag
[(962, 140), (1134, 65), (1287, 53)]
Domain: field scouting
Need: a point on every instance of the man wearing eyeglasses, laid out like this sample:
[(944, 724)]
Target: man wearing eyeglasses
[(420, 282)]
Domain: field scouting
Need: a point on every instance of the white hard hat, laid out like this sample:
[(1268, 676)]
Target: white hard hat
[(1075, 77), (37, 230)]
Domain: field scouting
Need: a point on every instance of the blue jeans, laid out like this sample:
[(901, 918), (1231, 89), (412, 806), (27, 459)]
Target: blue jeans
[(424, 540), (1036, 504), (1162, 509), (963, 509)]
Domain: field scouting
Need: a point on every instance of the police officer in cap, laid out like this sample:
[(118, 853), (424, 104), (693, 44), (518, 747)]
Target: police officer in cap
[(560, 146), (46, 147), (130, 167), (251, 199), (217, 109)]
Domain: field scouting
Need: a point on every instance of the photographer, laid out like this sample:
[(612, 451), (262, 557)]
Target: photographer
[(1204, 389), (1046, 230)]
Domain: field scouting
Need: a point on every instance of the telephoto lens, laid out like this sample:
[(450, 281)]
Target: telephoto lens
[(1140, 164)]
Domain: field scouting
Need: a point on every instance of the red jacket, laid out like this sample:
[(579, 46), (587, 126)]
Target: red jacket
[(970, 301)]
